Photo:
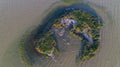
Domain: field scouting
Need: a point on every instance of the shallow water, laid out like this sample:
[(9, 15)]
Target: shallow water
[(17, 16)]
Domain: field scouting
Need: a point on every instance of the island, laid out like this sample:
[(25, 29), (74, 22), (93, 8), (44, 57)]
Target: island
[(78, 23)]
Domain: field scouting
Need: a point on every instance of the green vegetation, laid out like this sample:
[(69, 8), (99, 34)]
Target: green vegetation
[(85, 21), (88, 51), (93, 24), (46, 44)]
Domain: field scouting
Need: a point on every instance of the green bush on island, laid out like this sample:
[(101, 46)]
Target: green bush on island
[(46, 44), (88, 51), (86, 21)]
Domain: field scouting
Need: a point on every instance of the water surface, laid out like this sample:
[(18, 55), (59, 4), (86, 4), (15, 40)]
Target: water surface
[(17, 16)]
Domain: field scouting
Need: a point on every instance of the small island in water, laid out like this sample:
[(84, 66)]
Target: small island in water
[(77, 23), (68, 30)]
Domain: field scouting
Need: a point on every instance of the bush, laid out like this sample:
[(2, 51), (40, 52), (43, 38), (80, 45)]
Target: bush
[(46, 43)]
